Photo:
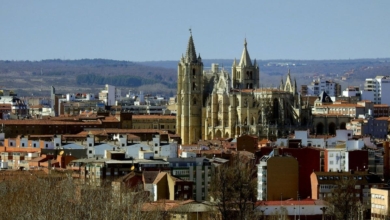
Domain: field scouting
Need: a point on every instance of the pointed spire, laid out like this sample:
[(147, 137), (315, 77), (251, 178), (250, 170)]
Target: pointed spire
[(234, 62), (281, 83), (245, 59), (295, 86), (191, 53), (255, 63)]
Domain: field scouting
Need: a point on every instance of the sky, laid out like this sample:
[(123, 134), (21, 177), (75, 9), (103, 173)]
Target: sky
[(156, 30)]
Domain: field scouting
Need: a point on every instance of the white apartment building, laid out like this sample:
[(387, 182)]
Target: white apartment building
[(377, 90), (333, 89), (351, 91), (110, 95)]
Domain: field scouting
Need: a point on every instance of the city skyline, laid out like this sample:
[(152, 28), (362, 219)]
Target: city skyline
[(154, 30)]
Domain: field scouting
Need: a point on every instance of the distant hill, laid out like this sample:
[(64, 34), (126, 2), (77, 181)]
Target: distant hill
[(159, 77)]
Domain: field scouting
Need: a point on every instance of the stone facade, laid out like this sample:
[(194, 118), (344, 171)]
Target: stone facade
[(216, 104)]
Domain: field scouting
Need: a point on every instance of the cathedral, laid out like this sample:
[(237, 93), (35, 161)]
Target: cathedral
[(217, 104)]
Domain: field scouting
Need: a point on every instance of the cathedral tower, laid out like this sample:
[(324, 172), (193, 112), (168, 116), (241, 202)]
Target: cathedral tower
[(189, 96), (245, 75)]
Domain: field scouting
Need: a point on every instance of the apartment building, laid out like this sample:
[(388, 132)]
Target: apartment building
[(277, 177), (197, 170), (380, 203), (374, 127), (317, 86), (377, 90), (109, 95), (322, 183)]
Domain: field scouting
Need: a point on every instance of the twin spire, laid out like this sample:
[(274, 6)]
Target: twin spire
[(245, 59), (191, 52)]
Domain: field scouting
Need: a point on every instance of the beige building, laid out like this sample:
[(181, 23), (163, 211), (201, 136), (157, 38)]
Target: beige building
[(214, 104), (162, 122), (380, 203)]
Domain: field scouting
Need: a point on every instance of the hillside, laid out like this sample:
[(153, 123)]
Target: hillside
[(159, 77)]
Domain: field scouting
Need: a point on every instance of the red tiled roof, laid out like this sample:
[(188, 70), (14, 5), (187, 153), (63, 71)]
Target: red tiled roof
[(289, 202)]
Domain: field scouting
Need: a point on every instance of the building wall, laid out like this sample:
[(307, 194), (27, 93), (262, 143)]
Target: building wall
[(282, 178), (247, 143), (380, 203), (154, 122), (162, 191)]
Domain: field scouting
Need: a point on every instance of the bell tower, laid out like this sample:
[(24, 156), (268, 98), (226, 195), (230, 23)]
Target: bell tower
[(245, 75), (189, 95)]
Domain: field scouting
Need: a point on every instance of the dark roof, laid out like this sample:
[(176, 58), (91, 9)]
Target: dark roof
[(324, 97), (150, 176)]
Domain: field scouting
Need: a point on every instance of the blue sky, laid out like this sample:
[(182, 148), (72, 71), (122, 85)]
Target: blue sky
[(158, 30)]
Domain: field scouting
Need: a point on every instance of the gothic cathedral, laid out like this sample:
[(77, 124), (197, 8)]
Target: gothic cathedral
[(215, 104)]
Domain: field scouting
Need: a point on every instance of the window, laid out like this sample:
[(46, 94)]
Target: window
[(90, 151), (90, 144)]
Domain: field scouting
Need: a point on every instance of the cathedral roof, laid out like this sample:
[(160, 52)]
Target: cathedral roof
[(245, 59), (191, 53)]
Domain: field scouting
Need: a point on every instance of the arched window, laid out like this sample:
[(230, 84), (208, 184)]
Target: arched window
[(193, 86), (194, 73), (194, 101)]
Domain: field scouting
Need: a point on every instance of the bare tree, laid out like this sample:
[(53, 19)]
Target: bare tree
[(57, 196), (344, 203), (233, 189)]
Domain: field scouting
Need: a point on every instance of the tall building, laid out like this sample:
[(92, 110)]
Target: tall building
[(375, 87), (215, 104), (277, 177), (321, 85)]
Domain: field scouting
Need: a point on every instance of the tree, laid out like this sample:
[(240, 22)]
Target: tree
[(233, 188), (344, 202), (32, 195)]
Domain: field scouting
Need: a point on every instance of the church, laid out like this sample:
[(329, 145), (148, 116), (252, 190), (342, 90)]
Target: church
[(217, 104)]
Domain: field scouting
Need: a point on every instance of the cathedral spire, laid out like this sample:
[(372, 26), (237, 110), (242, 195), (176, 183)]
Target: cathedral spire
[(191, 53), (245, 59), (234, 62), (295, 86), (281, 83)]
